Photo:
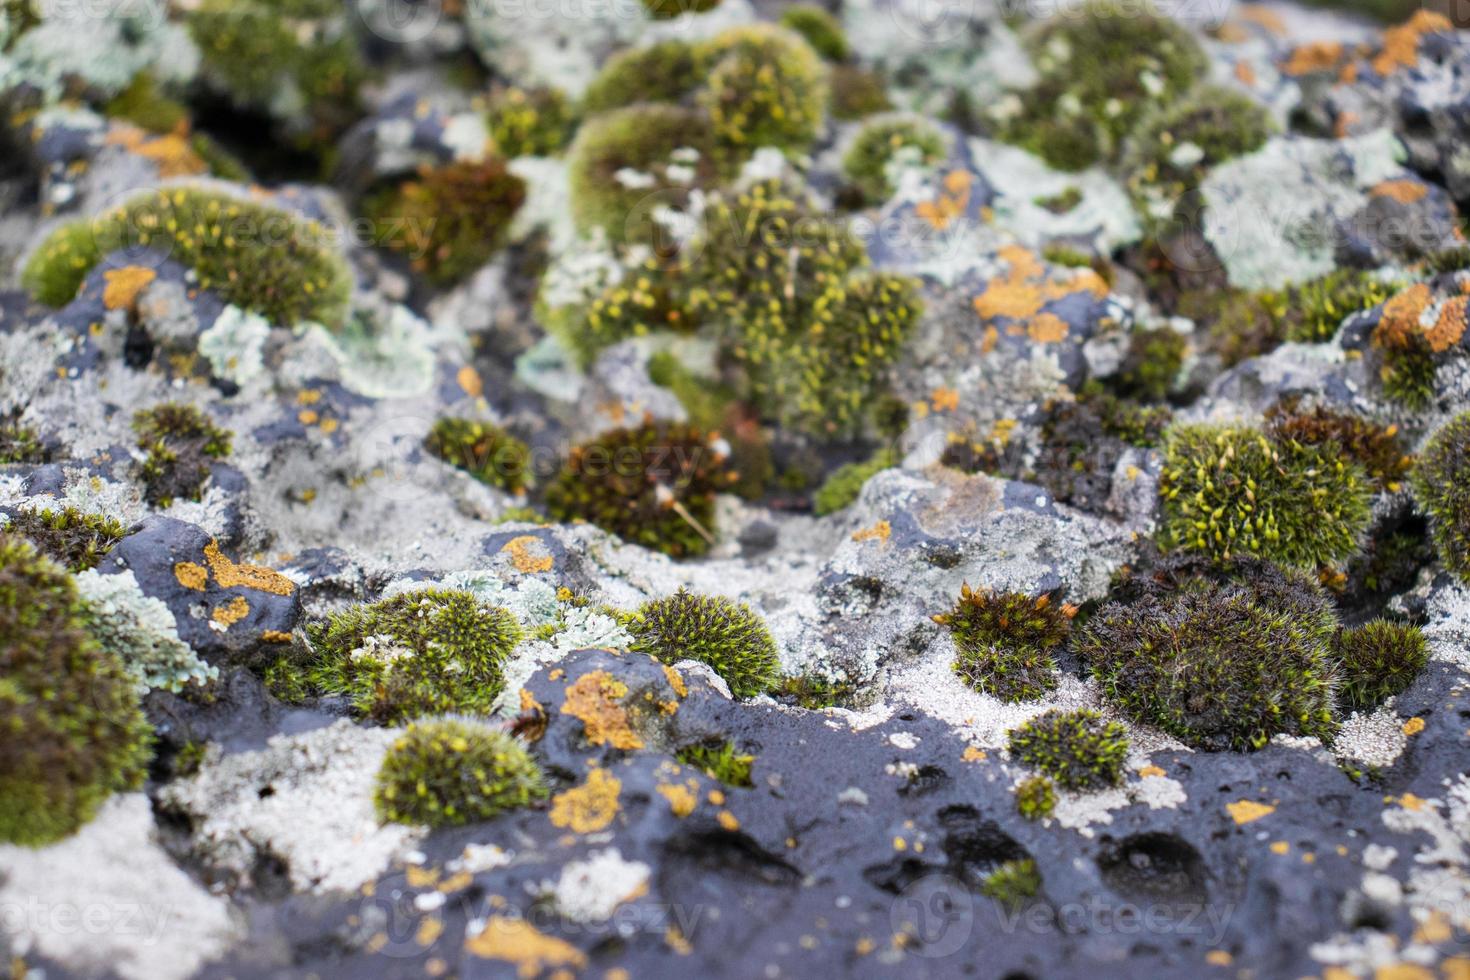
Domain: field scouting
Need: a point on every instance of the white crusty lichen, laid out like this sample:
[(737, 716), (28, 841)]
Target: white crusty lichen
[(234, 345), (591, 890), (381, 352), (141, 631)]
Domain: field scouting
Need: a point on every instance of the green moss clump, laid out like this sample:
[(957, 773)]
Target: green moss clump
[(449, 220), (845, 483), (723, 762), (857, 92), (180, 441), (1377, 448), (1408, 373), (820, 28), (728, 636), (713, 405), (1013, 883), (535, 122), (450, 771), (75, 540), (1454, 259), (1172, 149), (429, 651), (1317, 308), (815, 691), (1441, 482), (1378, 660), (669, 9), (20, 444), (765, 87), (1223, 660), (654, 485), (1152, 364), (1036, 798), (1239, 323), (1228, 491), (669, 71), (142, 104), (283, 58), (648, 301), (71, 732), (671, 147), (257, 257), (882, 141), (16, 17), (1100, 70), (1078, 749), (1003, 641), (485, 451)]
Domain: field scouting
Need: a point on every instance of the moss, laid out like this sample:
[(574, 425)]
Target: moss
[(524, 515), (535, 122), (71, 732), (417, 653), (1377, 448), (885, 139), (649, 300), (180, 441), (671, 148), (1013, 883), (714, 405), (1221, 659), (256, 257), (821, 30), (143, 105), (723, 762), (451, 771), (765, 87), (1036, 798), (815, 692), (1240, 324), (669, 9), (1152, 364), (485, 451), (282, 57), (448, 221), (1441, 482), (1378, 660), (16, 17), (1408, 373), (857, 92), (1078, 749), (220, 162), (1060, 204), (21, 444), (845, 483), (1318, 308), (669, 71), (654, 485), (1004, 641), (1447, 260), (728, 636), (1082, 442), (75, 540), (1171, 150), (1227, 491)]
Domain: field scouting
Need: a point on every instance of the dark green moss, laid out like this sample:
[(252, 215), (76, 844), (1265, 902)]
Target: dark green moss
[(1378, 660), (1013, 883), (535, 122), (846, 482), (723, 762), (1377, 448), (180, 441), (857, 92), (669, 9), (1240, 324), (142, 104), (451, 771), (1061, 204), (820, 28), (1004, 641), (815, 692), (75, 540), (669, 71), (1078, 749), (20, 444), (1152, 364), (413, 654), (715, 406), (1407, 374), (728, 636), (883, 139), (256, 257), (1446, 260), (654, 485), (1036, 798), (485, 451), (1441, 482), (71, 732)]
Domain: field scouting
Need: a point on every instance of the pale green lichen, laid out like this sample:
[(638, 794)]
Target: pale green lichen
[(140, 631)]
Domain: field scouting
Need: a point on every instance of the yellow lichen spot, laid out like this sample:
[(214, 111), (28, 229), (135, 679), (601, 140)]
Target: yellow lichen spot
[(677, 942), (275, 636), (676, 681), (1150, 771), (556, 674), (229, 575), (124, 285), (231, 612), (522, 558), (518, 942), (418, 877), (1047, 328), (469, 381), (307, 416), (616, 973), (864, 945), (329, 426), (1245, 811), (529, 702), (1280, 847), (1435, 928), (973, 754), (717, 797), (1309, 858), (899, 844), (191, 576), (590, 807), (1410, 802), (1414, 726), (593, 700), (435, 967), (1219, 957), (728, 820), (457, 882), (1403, 971), (878, 532), (429, 931), (681, 796)]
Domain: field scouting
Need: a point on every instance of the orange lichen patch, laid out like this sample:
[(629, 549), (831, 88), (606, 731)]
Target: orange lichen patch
[(1399, 321), (191, 576), (950, 202), (676, 681), (1008, 298), (1047, 328), (521, 557), (1313, 56), (1148, 772), (307, 416), (1403, 191), (1401, 43), (529, 702), (1436, 928), (676, 941), (1025, 288), (593, 700), (171, 153), (972, 754), (275, 636), (878, 532), (683, 797), (418, 877), (1413, 726), (518, 942), (231, 612), (590, 807), (124, 285), (1280, 847), (1245, 74), (469, 381), (1219, 957), (228, 574), (1449, 326), (728, 820), (944, 399), (1245, 811), (1263, 17), (428, 932), (1408, 801), (1403, 971)]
